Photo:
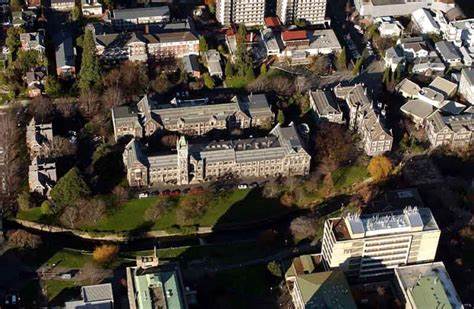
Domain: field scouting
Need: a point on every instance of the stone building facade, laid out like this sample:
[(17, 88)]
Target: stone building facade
[(455, 131), (281, 153), (366, 120), (191, 117)]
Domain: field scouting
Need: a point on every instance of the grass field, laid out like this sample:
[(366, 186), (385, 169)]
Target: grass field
[(347, 176)]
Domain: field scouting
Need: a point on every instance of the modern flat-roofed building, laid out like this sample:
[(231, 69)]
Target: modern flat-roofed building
[(312, 289), (372, 245), (325, 106), (155, 285), (281, 153), (380, 8), (132, 18), (312, 11), (466, 84), (62, 5), (249, 13), (427, 286)]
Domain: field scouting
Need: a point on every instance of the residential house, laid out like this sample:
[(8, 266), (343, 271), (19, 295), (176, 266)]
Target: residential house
[(429, 65), (366, 119), (62, 5), (466, 85), (418, 111), (394, 57), (152, 284), (357, 244), (445, 87), (35, 80), (408, 89), (281, 153), (415, 47), (33, 4), (426, 285), (455, 131), (312, 289), (325, 106), (65, 55), (431, 96), (91, 7), (134, 18), (460, 32), (389, 27), (425, 22), (94, 296), (33, 41), (42, 175), (24, 18), (449, 53), (191, 65), (213, 62), (466, 55)]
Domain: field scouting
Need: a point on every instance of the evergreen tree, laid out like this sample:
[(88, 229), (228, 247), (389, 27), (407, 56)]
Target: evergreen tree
[(342, 59), (76, 13), (249, 74), (208, 81), (13, 41), (281, 117), (229, 70), (398, 73), (386, 76), (89, 76), (70, 188), (203, 47), (263, 69)]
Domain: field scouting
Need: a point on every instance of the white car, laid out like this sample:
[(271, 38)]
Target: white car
[(242, 186)]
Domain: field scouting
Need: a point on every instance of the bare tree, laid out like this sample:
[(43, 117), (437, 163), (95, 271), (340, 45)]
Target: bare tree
[(42, 109), (23, 239), (89, 103), (61, 147), (271, 189), (302, 228), (70, 217)]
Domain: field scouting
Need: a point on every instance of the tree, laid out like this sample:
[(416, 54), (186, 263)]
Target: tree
[(321, 65), (13, 41), (17, 5), (342, 59), (203, 47), (161, 83), (274, 268), (271, 189), (249, 74), (24, 240), (263, 69), (70, 188), (24, 200), (76, 13), (89, 76), (52, 87), (208, 81), (380, 167), (302, 228), (386, 76), (46, 208), (157, 210), (229, 70), (105, 254), (358, 66), (281, 117), (192, 207), (333, 146)]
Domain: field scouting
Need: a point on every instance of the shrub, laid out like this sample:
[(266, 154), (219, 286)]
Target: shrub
[(46, 208), (274, 268), (380, 167), (24, 200)]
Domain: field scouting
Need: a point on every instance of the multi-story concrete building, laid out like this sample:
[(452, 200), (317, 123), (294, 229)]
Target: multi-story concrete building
[(281, 153), (312, 11), (380, 8), (154, 285), (249, 13), (137, 17), (427, 286), (456, 130), (366, 119), (62, 5), (466, 85), (192, 117), (373, 245)]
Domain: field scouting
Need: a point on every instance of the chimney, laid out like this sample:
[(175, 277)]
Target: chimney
[(147, 29)]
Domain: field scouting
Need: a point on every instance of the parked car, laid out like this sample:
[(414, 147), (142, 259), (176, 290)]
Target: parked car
[(143, 195), (242, 186)]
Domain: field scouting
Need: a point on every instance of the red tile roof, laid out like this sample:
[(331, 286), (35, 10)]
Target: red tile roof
[(272, 22), (294, 35)]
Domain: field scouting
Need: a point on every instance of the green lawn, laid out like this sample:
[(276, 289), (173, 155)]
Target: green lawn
[(236, 82), (347, 176), (70, 259), (33, 214), (58, 290)]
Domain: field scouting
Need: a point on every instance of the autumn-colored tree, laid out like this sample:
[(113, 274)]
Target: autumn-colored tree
[(23, 239), (380, 167), (105, 254), (287, 199)]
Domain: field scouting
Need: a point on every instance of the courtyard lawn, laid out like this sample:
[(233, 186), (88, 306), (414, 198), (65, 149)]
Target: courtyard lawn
[(59, 290), (69, 259), (347, 176), (33, 214)]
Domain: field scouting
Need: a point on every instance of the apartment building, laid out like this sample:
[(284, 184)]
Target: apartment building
[(192, 117), (455, 130), (380, 8), (123, 19), (466, 85), (373, 245), (247, 12), (312, 11), (366, 119), (281, 153), (151, 284), (62, 5)]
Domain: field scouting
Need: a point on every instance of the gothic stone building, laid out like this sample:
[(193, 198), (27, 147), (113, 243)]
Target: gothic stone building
[(364, 119), (191, 117), (281, 153)]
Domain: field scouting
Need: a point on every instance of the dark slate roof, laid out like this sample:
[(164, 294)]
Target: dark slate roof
[(64, 49), (141, 12)]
